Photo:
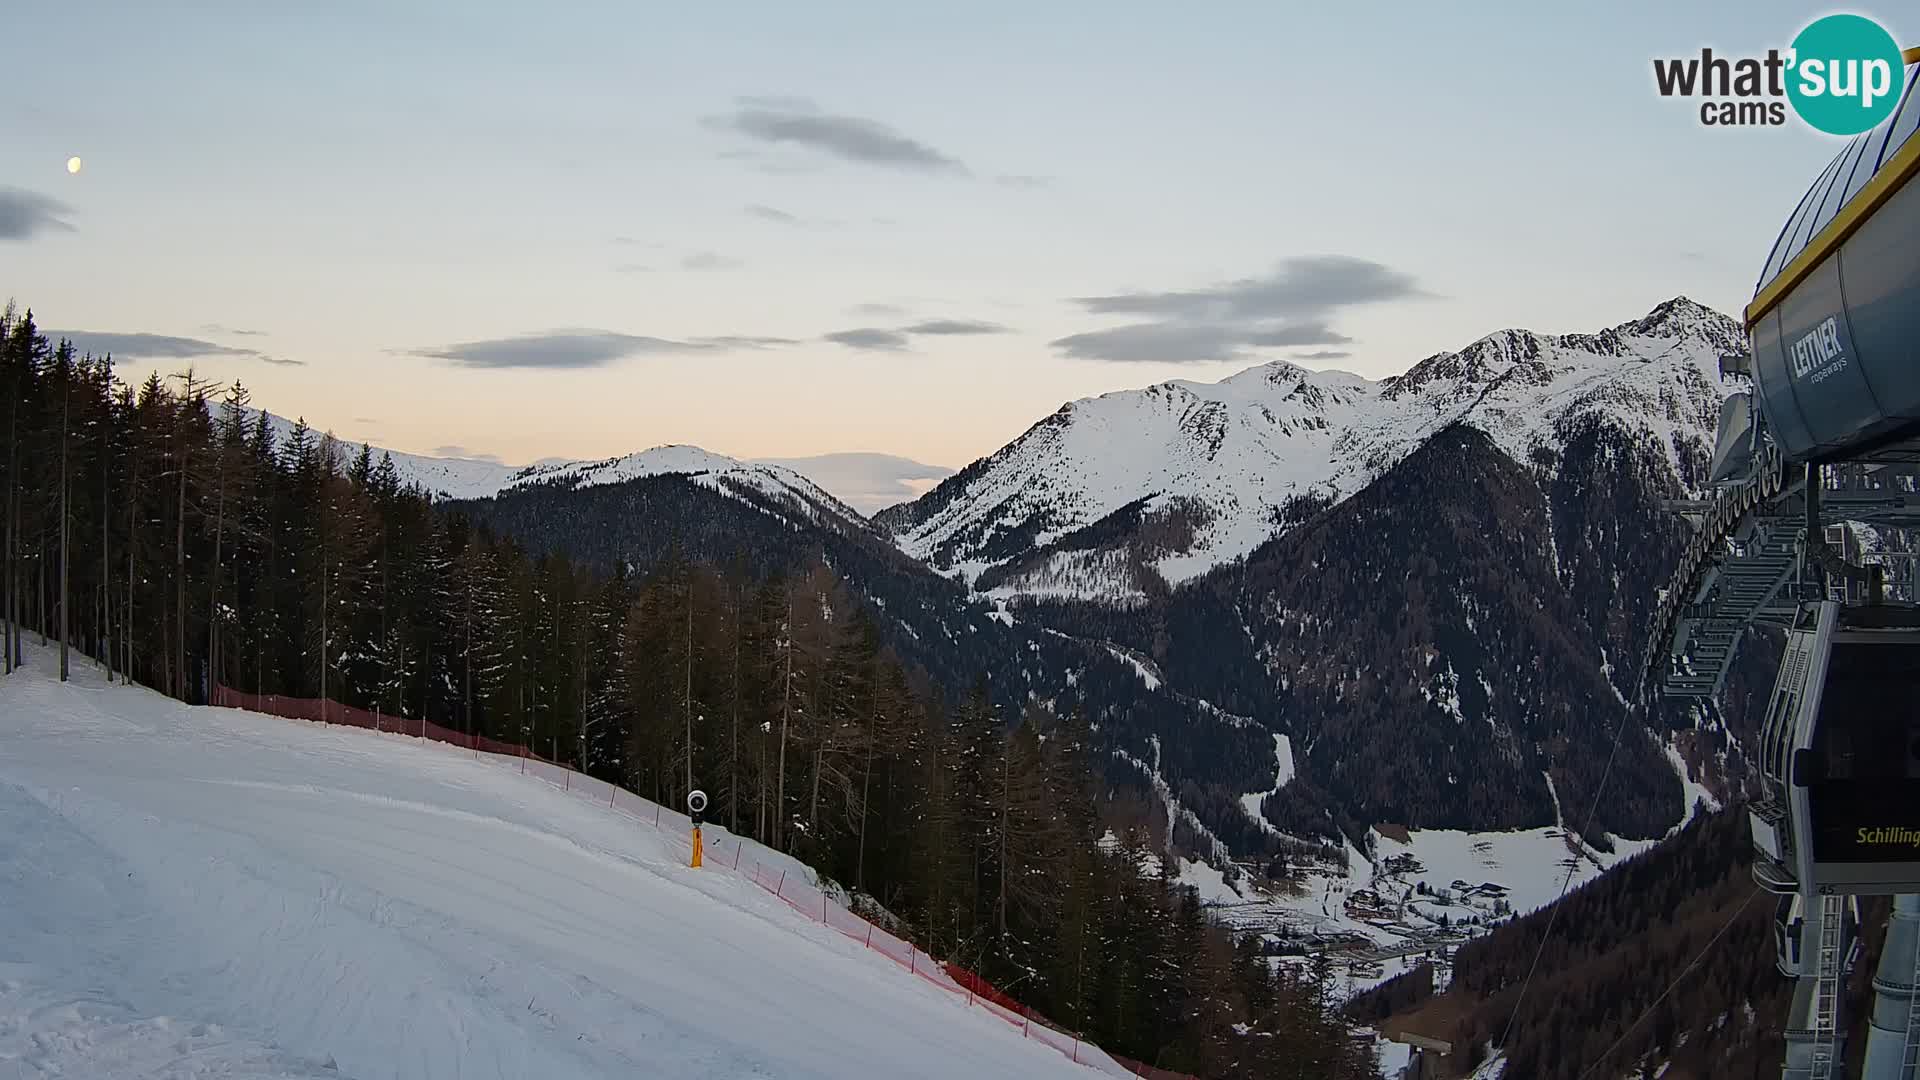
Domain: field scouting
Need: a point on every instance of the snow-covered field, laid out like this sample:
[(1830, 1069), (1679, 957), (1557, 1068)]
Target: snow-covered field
[(212, 893)]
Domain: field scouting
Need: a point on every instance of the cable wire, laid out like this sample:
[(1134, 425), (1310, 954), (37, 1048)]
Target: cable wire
[(1691, 964), (1573, 864)]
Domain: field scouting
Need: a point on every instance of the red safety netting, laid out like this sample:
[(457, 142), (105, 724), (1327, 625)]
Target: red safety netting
[(721, 851)]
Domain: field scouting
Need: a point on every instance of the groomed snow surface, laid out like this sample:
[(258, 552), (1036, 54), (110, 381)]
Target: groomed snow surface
[(214, 893)]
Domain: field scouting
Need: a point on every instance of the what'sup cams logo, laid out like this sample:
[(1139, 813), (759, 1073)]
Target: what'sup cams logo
[(1843, 75)]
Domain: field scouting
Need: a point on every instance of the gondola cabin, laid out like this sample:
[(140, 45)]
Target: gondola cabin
[(1841, 755)]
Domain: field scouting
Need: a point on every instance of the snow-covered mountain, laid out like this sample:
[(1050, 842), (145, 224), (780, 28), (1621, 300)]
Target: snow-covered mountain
[(441, 477), (1115, 496), (479, 478), (777, 484)]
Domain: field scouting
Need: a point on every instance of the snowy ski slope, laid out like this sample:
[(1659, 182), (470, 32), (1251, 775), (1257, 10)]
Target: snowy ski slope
[(214, 893)]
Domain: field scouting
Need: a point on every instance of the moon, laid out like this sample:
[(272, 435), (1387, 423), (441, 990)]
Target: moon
[(73, 165)]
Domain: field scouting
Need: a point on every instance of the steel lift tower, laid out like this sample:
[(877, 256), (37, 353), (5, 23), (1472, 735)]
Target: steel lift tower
[(1828, 434)]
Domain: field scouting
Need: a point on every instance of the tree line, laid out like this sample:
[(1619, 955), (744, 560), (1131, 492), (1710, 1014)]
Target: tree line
[(176, 537)]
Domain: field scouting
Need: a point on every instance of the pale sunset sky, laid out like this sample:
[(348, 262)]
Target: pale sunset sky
[(581, 229)]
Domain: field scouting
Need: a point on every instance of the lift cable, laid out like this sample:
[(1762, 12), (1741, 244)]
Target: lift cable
[(1684, 972), (1573, 864)]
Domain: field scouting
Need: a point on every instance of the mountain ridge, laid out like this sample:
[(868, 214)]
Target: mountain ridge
[(1210, 470)]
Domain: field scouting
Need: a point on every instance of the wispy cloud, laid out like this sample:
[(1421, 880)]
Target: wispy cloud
[(745, 341), (230, 331), (952, 327), (561, 349), (280, 361), (866, 482), (25, 214), (881, 339), (141, 346), (882, 310), (584, 348), (1302, 286), (1290, 307), (771, 213), (455, 450), (776, 216), (869, 338), (1322, 354), (710, 260), (797, 122)]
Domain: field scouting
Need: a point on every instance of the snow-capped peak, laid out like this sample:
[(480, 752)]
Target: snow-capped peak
[(1209, 471), (716, 471)]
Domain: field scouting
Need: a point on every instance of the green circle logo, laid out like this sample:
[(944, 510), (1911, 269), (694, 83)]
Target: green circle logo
[(1846, 74)]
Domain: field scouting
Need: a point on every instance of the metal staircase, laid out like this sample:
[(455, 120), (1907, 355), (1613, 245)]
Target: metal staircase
[(1826, 991)]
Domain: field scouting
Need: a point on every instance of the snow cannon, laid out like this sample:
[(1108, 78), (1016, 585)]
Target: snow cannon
[(1835, 320), (696, 806)]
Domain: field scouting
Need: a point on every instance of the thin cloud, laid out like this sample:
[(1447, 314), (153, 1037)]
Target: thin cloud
[(775, 215), (709, 260), (25, 214), (555, 349), (772, 213), (1154, 343), (798, 122), (139, 346), (280, 361), (776, 162), (454, 450), (882, 310), (1322, 354), (952, 327), (1293, 306), (869, 338), (1305, 333), (230, 331), (866, 482), (745, 341), (1302, 286)]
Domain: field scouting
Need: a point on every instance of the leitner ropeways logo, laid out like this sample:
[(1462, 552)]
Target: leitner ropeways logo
[(1843, 75)]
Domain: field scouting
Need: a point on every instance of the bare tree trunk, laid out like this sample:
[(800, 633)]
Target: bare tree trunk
[(133, 499), (40, 584), (786, 712), (688, 705), (213, 584), (9, 566), (733, 757), (1006, 798), (66, 401), (813, 799), (866, 786), (323, 622), (106, 512), (179, 642), (466, 677)]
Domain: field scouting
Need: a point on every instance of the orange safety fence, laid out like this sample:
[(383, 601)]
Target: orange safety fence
[(723, 851)]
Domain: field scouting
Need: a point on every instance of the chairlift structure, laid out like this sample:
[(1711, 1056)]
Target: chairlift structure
[(1828, 434)]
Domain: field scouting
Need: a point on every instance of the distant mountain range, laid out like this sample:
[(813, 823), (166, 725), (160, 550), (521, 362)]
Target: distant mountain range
[(1112, 497), (865, 482), (1426, 584)]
